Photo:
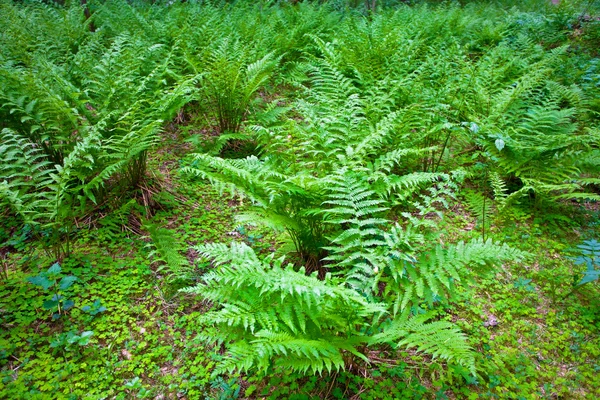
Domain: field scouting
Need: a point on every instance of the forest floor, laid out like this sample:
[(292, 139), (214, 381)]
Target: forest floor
[(536, 338), (111, 320)]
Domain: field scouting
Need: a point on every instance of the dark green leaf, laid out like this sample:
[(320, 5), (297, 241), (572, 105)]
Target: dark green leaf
[(68, 304), (50, 304), (590, 276), (66, 282), (41, 280), (54, 269)]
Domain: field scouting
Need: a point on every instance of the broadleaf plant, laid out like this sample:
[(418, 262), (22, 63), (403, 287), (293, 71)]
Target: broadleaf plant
[(590, 257), (52, 282)]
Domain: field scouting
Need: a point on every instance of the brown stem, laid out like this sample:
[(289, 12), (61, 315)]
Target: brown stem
[(87, 13)]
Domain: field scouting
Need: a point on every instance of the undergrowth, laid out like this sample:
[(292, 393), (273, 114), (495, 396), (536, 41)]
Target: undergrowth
[(299, 200)]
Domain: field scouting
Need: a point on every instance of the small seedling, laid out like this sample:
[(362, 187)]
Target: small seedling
[(65, 340), (49, 282), (227, 389), (523, 283), (590, 256), (95, 309), (134, 386)]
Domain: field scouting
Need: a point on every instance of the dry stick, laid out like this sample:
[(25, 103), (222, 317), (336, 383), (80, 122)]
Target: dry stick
[(331, 386)]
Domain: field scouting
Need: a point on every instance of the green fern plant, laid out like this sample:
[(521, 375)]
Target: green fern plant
[(271, 318), (488, 209), (289, 186), (167, 252), (282, 202), (230, 78), (41, 193), (504, 100), (81, 126), (441, 339), (541, 137), (400, 263), (356, 249), (483, 209)]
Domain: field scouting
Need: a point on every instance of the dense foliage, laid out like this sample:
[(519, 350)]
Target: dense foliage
[(406, 180)]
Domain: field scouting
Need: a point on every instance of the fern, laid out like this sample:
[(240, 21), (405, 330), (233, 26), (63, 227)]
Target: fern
[(441, 339), (167, 251), (291, 184), (41, 193), (92, 116), (370, 251), (355, 252), (433, 274), (541, 136), (230, 79), (24, 168), (273, 313), (356, 164), (483, 208), (272, 318)]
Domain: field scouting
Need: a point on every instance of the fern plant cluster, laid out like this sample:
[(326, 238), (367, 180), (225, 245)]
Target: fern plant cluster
[(78, 120), (274, 318), (331, 178), (365, 128), (380, 118)]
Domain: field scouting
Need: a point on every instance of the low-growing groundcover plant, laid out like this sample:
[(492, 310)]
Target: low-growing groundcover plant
[(409, 180), (590, 257), (49, 282)]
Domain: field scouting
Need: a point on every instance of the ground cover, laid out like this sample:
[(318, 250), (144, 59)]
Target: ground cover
[(428, 171)]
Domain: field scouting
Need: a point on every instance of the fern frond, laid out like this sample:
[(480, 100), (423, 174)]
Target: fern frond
[(273, 315), (432, 275), (359, 208), (440, 339), (483, 208), (166, 250)]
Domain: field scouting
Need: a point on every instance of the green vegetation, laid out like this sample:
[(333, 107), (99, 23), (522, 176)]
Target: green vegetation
[(299, 200)]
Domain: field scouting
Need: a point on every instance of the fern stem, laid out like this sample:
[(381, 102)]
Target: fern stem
[(442, 151), (483, 219), (483, 212)]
